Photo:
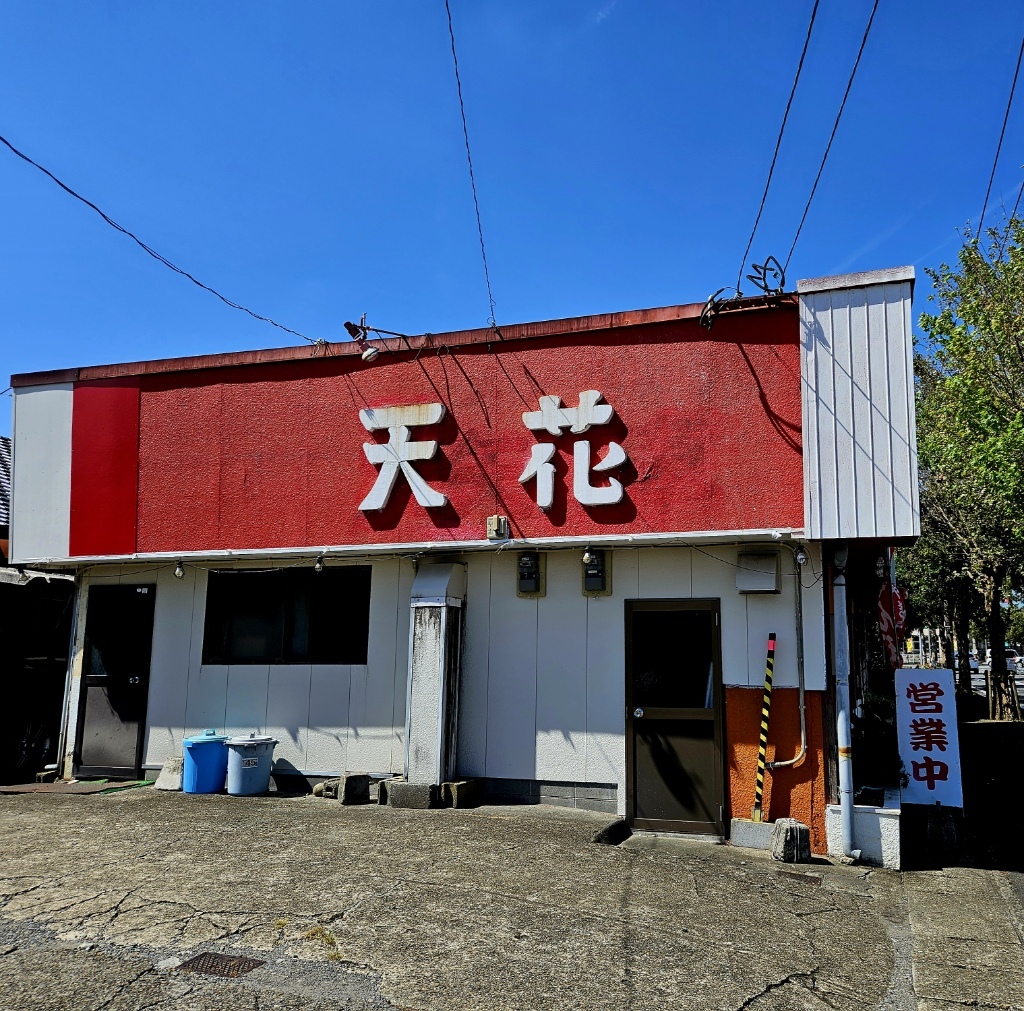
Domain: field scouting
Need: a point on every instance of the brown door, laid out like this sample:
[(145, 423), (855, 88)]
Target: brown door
[(115, 680), (674, 772)]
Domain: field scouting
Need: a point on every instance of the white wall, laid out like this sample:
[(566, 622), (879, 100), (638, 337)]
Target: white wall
[(543, 680), (41, 482), (860, 443), (327, 718)]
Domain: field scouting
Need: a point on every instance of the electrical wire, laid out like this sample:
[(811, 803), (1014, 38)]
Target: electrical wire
[(469, 161), (778, 143), (999, 146), (1016, 202), (148, 249), (832, 136)]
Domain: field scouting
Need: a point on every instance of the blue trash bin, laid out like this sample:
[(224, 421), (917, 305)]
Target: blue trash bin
[(206, 762), (250, 760)]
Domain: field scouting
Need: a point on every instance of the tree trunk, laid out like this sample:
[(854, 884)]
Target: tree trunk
[(946, 637), (1002, 698), (962, 630)]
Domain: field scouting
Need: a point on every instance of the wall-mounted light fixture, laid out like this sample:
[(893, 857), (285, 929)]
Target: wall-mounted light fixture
[(179, 571), (358, 333), (318, 565)]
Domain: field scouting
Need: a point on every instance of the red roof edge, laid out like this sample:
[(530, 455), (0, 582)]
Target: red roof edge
[(515, 331)]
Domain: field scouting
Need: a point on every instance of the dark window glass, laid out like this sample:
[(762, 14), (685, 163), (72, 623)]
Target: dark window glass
[(288, 616), (673, 663)]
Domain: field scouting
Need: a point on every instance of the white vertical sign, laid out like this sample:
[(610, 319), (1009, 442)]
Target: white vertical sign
[(927, 734)]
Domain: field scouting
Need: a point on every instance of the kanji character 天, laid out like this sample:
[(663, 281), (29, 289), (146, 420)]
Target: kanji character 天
[(399, 453)]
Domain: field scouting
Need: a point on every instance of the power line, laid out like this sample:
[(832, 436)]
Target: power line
[(469, 161), (832, 136), (152, 252), (778, 144), (999, 146)]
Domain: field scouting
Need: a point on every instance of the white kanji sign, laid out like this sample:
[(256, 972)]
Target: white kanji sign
[(399, 453), (553, 418), (926, 732)]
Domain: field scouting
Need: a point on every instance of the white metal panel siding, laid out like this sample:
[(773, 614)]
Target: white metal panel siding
[(168, 677), (562, 671), (41, 479), (543, 679), (512, 676), (473, 684), (860, 444), (327, 718), (287, 719), (606, 679), (328, 730), (714, 576), (373, 705)]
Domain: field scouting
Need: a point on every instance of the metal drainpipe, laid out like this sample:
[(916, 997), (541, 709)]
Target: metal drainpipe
[(841, 639), (799, 557), (62, 737)]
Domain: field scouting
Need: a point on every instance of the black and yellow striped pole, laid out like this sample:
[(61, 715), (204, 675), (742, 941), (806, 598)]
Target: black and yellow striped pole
[(766, 708)]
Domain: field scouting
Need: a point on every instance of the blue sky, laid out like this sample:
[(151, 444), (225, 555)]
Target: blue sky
[(307, 159)]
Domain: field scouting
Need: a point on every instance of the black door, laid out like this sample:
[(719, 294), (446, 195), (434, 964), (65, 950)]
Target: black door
[(115, 680), (674, 772)]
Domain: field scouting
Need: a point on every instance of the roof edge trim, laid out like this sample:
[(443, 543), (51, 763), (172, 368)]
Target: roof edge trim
[(863, 279)]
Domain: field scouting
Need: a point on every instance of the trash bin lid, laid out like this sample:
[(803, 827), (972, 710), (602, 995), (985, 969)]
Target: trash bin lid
[(206, 737), (253, 738)]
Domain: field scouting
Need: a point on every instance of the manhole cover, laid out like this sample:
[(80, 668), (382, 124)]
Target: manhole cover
[(211, 963)]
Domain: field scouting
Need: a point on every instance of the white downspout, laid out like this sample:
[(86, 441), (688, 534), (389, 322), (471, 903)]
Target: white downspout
[(841, 640)]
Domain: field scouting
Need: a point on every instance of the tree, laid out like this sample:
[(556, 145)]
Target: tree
[(936, 578), (971, 423)]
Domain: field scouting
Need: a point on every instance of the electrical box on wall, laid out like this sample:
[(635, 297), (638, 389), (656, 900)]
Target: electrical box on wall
[(497, 528), (597, 572), (530, 580), (757, 572)]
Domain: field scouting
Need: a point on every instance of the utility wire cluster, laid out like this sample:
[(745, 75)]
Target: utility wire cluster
[(770, 276)]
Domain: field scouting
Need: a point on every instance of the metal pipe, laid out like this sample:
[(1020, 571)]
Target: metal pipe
[(841, 640), (63, 735), (799, 557)]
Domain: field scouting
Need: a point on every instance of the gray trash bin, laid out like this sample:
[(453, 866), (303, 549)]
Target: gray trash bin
[(250, 760)]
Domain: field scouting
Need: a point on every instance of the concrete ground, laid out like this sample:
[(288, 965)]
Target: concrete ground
[(103, 897)]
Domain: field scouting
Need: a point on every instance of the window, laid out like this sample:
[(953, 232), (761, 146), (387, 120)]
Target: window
[(288, 616)]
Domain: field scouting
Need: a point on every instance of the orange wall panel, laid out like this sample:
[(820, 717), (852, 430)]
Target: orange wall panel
[(794, 792)]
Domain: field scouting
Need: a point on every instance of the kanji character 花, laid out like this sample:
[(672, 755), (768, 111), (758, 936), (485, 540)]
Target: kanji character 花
[(553, 418), (927, 733), (930, 771), (924, 697), (399, 453)]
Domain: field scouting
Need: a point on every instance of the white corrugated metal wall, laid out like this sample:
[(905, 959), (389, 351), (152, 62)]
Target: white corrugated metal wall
[(860, 444), (328, 717), (543, 682)]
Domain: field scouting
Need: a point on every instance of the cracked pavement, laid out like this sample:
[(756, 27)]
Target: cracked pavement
[(103, 897)]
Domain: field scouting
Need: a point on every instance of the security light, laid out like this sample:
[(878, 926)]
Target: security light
[(358, 334)]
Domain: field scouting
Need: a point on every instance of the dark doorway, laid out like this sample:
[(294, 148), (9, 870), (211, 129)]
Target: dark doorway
[(674, 775), (115, 680)]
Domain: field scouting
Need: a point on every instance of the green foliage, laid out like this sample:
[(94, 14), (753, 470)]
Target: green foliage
[(970, 409)]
